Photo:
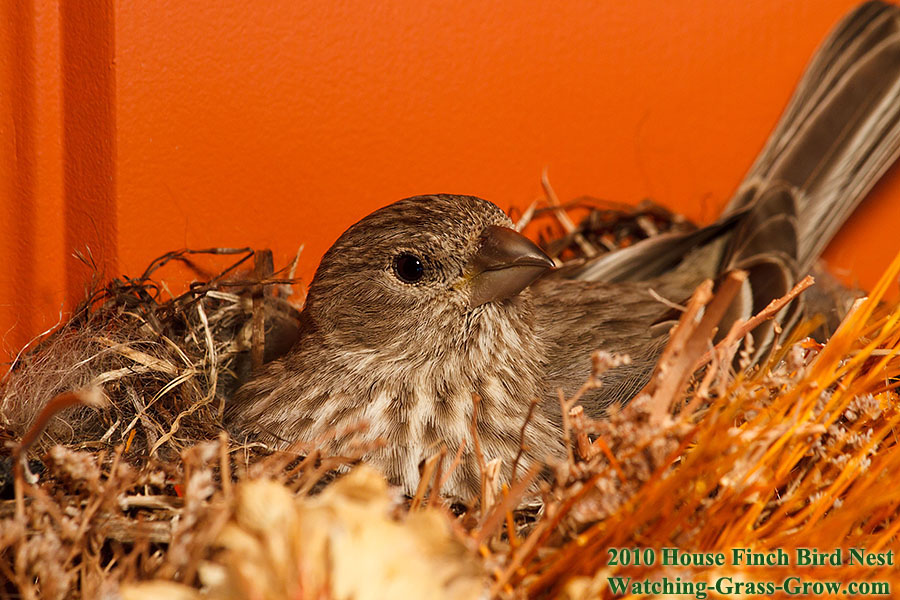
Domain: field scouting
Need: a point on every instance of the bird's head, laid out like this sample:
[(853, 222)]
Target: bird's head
[(420, 263)]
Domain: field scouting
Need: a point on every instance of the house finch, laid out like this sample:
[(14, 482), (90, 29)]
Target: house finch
[(434, 299)]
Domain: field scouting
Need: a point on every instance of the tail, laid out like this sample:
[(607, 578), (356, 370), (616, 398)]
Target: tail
[(837, 137)]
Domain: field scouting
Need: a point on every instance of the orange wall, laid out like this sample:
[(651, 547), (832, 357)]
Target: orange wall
[(135, 128)]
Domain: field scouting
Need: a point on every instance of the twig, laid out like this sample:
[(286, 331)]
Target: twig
[(445, 476), (157, 502), (428, 470), (586, 247), (491, 520), (687, 341), (741, 328), (526, 217), (476, 402), (225, 465), (600, 443), (522, 437), (128, 531), (263, 268), (91, 396), (666, 301), (582, 443)]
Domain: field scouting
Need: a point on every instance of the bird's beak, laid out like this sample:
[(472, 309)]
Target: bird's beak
[(505, 264)]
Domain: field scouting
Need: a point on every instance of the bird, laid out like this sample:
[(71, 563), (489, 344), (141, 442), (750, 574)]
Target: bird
[(431, 323)]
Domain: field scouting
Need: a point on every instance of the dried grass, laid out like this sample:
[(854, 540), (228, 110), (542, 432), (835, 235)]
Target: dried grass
[(147, 497), (166, 362)]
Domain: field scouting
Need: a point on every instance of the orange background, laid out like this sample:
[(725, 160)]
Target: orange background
[(134, 128)]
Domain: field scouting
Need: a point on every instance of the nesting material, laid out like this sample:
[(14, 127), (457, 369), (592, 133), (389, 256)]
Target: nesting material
[(126, 486), (164, 363)]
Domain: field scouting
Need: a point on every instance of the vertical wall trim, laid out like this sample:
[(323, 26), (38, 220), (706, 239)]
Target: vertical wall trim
[(89, 138), (21, 211)]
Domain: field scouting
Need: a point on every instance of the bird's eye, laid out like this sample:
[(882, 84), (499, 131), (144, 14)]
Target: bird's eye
[(409, 268)]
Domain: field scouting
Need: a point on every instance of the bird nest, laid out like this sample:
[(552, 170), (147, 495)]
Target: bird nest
[(120, 481)]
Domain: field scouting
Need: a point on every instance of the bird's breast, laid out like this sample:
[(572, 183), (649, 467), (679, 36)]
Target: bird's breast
[(474, 392)]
